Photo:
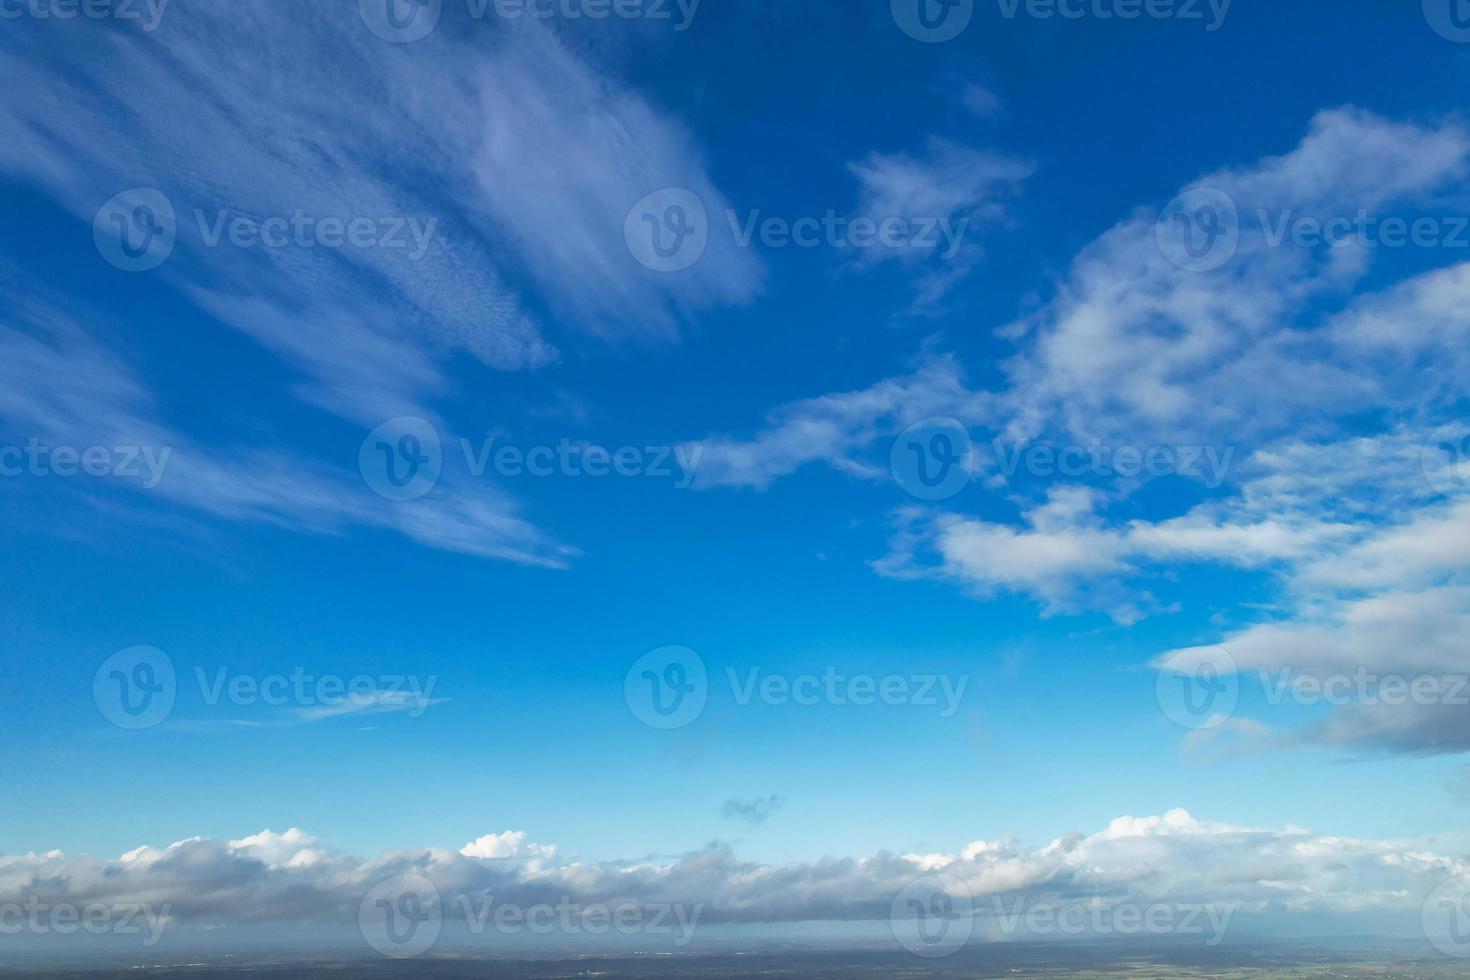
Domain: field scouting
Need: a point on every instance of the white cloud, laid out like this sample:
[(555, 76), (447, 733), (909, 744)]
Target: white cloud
[(60, 385), (549, 127), (1289, 874), (962, 188), (1132, 345), (838, 429), (497, 138)]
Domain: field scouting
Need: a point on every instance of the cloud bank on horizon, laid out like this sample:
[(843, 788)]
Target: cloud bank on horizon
[(1291, 875)]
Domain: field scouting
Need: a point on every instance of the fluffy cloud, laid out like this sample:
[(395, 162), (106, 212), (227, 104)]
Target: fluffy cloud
[(1172, 858), (1135, 345)]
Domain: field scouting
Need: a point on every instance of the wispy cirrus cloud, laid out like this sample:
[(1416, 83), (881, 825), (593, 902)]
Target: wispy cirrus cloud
[(61, 385)]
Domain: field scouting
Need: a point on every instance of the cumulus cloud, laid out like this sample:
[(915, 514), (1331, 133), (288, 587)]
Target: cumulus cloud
[(1135, 344), (1171, 858)]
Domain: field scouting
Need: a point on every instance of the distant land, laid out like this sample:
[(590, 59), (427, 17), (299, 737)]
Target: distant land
[(1010, 960)]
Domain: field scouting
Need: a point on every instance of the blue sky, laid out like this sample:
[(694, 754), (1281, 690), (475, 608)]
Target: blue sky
[(503, 169)]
